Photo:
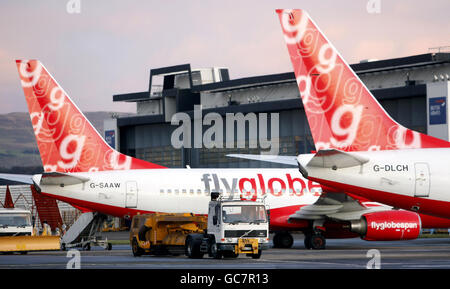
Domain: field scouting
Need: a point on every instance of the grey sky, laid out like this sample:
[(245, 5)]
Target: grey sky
[(111, 45)]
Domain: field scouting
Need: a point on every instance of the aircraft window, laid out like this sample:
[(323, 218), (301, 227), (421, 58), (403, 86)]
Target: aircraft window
[(184, 191), (199, 192), (169, 191), (177, 191), (191, 191), (161, 191)]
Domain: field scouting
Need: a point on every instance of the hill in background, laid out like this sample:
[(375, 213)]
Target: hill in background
[(18, 148)]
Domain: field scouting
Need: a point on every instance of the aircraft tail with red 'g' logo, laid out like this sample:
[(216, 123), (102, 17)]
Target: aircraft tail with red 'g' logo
[(67, 141), (341, 111)]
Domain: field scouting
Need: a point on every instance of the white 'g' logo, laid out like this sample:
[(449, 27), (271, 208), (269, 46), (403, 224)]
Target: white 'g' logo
[(114, 161), (351, 130), (73, 157), (56, 98), (400, 138), (299, 28), (32, 75)]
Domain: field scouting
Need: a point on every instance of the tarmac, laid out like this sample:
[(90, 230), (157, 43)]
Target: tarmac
[(422, 253)]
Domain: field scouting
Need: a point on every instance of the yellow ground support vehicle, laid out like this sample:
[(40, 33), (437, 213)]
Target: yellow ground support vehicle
[(16, 233), (231, 228), (160, 234)]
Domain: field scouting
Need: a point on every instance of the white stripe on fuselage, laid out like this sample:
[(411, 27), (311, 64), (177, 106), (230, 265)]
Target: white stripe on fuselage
[(395, 172), (187, 190)]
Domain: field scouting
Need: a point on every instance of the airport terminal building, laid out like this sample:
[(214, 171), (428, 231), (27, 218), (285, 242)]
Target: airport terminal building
[(414, 90)]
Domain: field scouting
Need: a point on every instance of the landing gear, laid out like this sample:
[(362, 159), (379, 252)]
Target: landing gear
[(283, 240), (315, 241)]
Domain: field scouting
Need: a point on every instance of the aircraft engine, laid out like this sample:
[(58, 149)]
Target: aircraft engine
[(388, 226)]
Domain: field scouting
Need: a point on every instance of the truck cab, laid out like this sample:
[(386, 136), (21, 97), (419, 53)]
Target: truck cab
[(15, 222), (234, 227)]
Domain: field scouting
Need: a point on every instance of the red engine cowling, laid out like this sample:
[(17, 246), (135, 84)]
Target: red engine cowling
[(388, 226)]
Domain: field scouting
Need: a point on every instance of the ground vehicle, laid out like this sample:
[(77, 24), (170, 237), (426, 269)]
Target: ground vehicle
[(15, 222), (163, 233), (234, 227), (16, 233)]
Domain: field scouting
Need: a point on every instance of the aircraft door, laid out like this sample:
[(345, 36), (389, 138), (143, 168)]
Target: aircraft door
[(131, 196), (422, 183)]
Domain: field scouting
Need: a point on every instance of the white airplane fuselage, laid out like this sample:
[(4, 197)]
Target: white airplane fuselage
[(412, 179), (126, 192)]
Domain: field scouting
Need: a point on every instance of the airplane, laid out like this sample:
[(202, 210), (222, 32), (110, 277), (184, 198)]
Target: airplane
[(361, 149), (80, 168)]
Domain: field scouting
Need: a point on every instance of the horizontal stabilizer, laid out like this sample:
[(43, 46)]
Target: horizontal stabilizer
[(24, 179), (333, 158), (61, 179), (285, 160)]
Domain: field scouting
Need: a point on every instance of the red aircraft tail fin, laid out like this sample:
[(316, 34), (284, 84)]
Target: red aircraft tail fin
[(66, 139), (341, 111)]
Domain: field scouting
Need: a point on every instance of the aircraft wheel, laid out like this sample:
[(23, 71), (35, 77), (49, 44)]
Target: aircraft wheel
[(317, 242), (307, 241)]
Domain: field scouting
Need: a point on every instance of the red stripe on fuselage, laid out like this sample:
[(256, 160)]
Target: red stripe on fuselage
[(440, 210)]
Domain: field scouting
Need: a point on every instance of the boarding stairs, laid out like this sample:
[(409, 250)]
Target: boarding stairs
[(85, 231)]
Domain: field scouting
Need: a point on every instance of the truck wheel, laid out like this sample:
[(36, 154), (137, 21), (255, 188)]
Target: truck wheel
[(283, 240), (192, 249), (215, 253), (257, 255), (137, 251)]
